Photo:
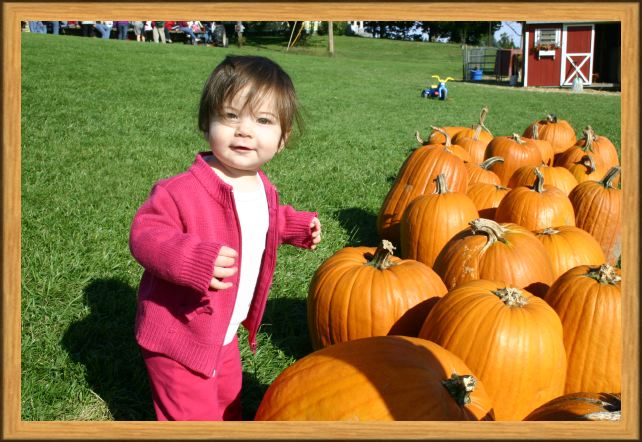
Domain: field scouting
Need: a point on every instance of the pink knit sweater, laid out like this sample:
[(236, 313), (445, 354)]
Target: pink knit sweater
[(176, 236)]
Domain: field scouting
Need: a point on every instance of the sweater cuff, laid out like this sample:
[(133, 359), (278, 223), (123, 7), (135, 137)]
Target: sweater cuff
[(198, 267), (297, 230)]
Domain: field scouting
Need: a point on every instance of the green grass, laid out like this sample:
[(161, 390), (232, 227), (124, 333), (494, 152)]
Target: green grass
[(103, 120)]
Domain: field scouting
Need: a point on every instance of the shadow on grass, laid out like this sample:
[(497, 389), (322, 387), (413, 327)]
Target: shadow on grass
[(361, 226), (104, 343)]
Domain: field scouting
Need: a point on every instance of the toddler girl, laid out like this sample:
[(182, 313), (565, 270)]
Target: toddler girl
[(207, 240)]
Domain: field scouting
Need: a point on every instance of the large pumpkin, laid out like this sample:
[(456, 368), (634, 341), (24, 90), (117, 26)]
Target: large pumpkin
[(477, 132), (516, 153), (544, 146), (502, 252), (568, 247), (480, 173), (375, 379), (431, 220), (580, 407), (598, 210), (362, 291), (416, 178), (511, 339), (588, 302), (486, 198), (559, 177), (587, 169), (603, 151), (437, 137), (556, 131), (536, 207)]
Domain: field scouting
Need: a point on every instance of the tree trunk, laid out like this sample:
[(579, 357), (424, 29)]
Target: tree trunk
[(331, 38)]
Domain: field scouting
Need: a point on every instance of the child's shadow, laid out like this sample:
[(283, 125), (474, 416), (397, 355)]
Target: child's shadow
[(104, 343)]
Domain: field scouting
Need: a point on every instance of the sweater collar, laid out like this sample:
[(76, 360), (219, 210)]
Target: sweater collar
[(214, 185)]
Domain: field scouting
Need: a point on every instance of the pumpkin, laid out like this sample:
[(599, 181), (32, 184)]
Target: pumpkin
[(556, 131), (511, 339), (431, 220), (479, 173), (559, 177), (486, 198), (362, 291), (516, 153), (477, 132), (588, 302), (536, 207), (416, 178), (600, 148), (580, 406), (544, 146), (437, 137), (503, 252), (569, 247), (473, 145), (453, 148), (587, 169), (598, 210), (391, 378)]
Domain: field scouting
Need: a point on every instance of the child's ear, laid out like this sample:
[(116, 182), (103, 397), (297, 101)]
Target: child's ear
[(284, 141)]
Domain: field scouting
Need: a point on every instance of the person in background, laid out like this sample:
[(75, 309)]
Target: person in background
[(207, 239), (138, 30), (147, 30), (159, 31), (123, 27), (239, 28), (169, 25), (55, 27), (37, 27), (87, 28), (187, 29), (104, 27)]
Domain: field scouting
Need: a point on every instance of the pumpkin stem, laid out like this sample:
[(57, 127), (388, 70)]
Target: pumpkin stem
[(548, 231), (444, 133), (589, 137), (607, 181), (490, 161), (481, 125), (538, 185), (518, 139), (511, 296), (587, 161), (604, 416), (419, 139), (535, 131), (381, 258), (460, 387), (442, 185), (551, 118), (604, 274), (494, 231)]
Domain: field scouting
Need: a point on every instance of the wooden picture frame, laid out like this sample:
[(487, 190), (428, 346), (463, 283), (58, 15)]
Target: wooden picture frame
[(13, 428)]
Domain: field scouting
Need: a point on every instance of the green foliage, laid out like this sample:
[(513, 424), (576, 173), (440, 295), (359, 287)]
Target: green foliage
[(338, 27), (103, 120), (505, 41)]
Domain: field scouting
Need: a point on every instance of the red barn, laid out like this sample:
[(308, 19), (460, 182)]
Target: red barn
[(555, 53)]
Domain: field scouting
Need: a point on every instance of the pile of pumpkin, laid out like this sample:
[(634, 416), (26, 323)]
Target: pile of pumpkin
[(504, 304)]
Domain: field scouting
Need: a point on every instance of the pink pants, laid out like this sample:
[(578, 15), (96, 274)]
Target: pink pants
[(180, 394)]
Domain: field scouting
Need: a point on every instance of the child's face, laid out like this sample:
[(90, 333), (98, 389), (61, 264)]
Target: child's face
[(243, 141)]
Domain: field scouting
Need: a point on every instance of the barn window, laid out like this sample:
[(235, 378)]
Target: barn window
[(547, 37)]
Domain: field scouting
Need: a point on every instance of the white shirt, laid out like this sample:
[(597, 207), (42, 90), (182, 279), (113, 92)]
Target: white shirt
[(252, 211)]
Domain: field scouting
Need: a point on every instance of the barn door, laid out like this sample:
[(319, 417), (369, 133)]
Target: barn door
[(577, 53)]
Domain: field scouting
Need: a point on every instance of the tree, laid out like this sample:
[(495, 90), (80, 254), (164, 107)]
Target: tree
[(468, 32), (505, 41)]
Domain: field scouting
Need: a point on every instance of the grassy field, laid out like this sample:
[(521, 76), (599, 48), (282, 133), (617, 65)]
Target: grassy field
[(103, 120)]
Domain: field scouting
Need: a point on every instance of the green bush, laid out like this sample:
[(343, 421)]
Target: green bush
[(339, 28)]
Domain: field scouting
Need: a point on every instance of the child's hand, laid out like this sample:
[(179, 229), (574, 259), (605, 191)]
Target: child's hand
[(315, 225), (223, 268)]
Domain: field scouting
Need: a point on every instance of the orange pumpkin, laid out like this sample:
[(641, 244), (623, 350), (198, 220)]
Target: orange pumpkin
[(559, 177), (385, 378), (516, 153), (556, 131), (536, 207), (431, 220), (587, 169), (416, 178), (477, 132), (479, 173), (569, 247), (503, 252), (362, 291), (581, 406), (600, 148), (454, 148), (588, 302), (511, 339), (437, 137), (486, 198), (544, 146), (598, 210)]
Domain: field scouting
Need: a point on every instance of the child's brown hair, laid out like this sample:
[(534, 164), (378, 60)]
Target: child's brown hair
[(263, 76)]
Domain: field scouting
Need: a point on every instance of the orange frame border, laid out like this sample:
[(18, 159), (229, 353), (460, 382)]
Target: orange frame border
[(13, 428)]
